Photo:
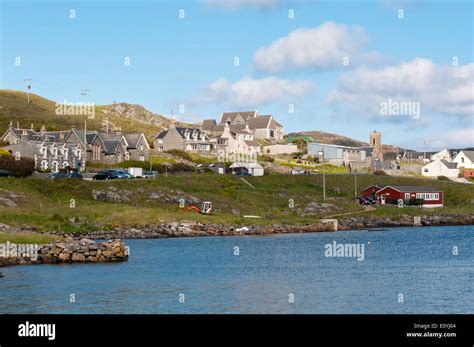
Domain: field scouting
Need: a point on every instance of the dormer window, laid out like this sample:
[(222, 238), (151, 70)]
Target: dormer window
[(186, 134)]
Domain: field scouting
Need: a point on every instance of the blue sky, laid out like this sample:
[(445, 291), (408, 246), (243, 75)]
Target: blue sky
[(282, 61)]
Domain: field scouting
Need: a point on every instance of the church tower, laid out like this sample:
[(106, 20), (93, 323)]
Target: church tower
[(376, 144)]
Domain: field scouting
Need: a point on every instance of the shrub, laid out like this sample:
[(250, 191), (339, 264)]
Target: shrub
[(443, 178), (19, 168), (266, 158), (4, 152), (297, 155), (180, 167)]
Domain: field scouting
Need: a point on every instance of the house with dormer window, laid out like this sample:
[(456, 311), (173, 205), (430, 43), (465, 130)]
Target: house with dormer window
[(186, 139)]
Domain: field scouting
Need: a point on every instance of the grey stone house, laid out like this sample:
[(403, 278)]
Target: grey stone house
[(186, 139), (49, 155)]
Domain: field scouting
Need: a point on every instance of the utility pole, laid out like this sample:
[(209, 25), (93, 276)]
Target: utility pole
[(324, 175), (355, 182), (28, 88)]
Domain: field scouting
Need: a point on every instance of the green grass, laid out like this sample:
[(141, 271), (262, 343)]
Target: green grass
[(23, 237), (46, 203), (41, 111)]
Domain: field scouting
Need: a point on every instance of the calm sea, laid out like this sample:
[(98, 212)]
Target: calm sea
[(404, 270)]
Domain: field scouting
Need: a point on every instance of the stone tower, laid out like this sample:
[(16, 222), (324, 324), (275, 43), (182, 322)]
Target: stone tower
[(376, 144)]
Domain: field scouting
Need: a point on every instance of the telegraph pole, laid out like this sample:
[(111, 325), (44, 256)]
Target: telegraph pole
[(355, 182), (28, 88), (324, 175)]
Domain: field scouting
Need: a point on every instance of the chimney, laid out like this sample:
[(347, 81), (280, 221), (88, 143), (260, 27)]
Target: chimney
[(43, 128), (32, 127), (24, 135), (172, 124), (61, 136)]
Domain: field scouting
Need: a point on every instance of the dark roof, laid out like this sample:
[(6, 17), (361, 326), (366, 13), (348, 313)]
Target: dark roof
[(161, 134), (208, 124), (373, 185), (182, 131), (469, 154), (409, 189), (449, 165), (111, 146), (245, 115), (260, 122), (132, 139)]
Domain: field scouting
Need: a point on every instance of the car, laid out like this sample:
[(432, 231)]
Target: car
[(298, 171), (5, 173), (105, 175), (361, 200), (371, 200), (121, 174), (149, 174)]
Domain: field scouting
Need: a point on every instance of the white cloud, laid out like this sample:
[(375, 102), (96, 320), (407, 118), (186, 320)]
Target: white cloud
[(445, 90), (461, 138), (249, 92), (237, 4), (323, 47)]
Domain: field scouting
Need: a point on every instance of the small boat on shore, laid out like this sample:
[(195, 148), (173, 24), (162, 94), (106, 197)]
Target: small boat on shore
[(1, 275)]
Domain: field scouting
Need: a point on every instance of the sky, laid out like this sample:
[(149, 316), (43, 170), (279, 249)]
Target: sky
[(402, 67)]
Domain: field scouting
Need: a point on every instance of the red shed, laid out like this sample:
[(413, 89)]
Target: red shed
[(370, 191), (430, 196)]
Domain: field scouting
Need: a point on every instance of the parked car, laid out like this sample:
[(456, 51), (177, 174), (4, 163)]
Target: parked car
[(298, 171), (149, 174), (5, 173), (123, 174), (371, 200), (361, 200), (105, 175), (71, 174)]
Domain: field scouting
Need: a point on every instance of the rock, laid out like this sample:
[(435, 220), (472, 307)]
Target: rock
[(78, 257), (65, 257), (92, 259)]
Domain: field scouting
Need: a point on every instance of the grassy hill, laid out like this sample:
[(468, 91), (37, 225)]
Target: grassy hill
[(335, 139), (45, 204), (40, 111)]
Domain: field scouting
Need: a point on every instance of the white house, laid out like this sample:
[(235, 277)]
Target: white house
[(465, 159), (440, 167), (442, 155), (253, 168)]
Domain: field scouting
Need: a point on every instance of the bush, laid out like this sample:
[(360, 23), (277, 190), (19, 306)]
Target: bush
[(380, 173), (266, 158), (19, 168), (4, 152), (297, 155), (443, 178)]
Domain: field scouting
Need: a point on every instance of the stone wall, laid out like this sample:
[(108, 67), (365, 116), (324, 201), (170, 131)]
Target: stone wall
[(74, 251)]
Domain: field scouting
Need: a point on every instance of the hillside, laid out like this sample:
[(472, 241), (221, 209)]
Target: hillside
[(336, 139), (41, 111)]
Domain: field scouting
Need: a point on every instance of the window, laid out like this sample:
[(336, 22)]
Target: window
[(426, 170), (272, 133), (462, 159)]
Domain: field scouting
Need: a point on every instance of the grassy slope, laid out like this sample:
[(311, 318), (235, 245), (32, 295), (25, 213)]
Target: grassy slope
[(41, 111), (47, 202)]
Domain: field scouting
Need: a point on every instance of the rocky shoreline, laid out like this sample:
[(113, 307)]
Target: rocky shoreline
[(193, 229), (65, 251)]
